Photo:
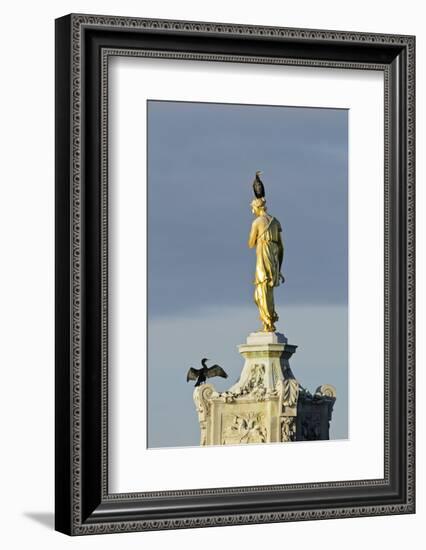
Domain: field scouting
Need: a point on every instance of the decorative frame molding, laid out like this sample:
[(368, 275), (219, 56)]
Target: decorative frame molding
[(84, 43)]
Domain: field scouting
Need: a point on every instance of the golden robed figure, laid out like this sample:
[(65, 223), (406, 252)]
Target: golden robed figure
[(265, 235)]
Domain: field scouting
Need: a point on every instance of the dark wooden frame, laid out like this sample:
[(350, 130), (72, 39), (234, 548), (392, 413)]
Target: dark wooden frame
[(83, 45)]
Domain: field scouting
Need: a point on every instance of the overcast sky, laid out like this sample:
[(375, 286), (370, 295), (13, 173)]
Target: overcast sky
[(201, 163)]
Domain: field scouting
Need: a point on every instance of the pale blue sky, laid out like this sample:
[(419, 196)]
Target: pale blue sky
[(201, 163)]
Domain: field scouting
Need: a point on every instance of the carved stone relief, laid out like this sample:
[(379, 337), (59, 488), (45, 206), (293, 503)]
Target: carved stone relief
[(244, 428), (288, 428)]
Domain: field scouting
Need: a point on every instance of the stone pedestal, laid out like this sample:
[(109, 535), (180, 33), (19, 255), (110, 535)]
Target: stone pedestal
[(261, 407), (314, 413)]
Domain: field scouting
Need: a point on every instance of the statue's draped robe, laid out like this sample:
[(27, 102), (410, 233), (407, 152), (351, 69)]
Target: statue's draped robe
[(265, 235)]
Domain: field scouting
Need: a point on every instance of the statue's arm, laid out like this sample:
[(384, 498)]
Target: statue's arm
[(280, 250), (253, 236)]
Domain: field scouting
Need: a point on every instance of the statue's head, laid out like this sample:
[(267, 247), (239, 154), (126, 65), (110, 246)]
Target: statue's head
[(258, 206)]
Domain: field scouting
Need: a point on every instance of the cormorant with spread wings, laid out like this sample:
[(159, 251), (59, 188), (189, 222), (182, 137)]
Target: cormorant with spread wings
[(200, 375)]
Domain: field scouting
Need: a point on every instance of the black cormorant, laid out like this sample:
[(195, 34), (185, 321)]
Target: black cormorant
[(206, 372), (258, 188)]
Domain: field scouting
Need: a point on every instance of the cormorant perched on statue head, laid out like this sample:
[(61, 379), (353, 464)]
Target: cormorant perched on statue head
[(258, 188)]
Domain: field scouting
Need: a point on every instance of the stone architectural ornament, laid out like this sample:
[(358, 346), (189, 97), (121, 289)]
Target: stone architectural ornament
[(266, 404), (288, 428), (244, 428)]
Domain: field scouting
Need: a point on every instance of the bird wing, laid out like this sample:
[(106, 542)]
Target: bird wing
[(216, 370), (193, 374)]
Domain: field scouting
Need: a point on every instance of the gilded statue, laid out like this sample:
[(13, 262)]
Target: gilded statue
[(265, 235)]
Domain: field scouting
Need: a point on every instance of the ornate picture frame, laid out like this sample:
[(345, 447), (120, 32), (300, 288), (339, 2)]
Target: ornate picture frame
[(84, 44)]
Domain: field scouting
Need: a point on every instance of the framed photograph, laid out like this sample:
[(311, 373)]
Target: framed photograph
[(234, 274)]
